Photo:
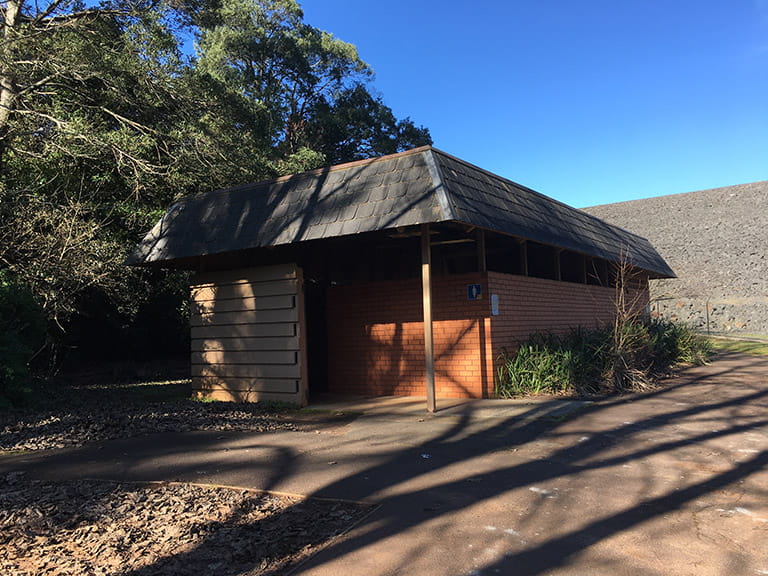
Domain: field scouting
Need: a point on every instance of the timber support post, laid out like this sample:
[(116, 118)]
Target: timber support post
[(426, 298)]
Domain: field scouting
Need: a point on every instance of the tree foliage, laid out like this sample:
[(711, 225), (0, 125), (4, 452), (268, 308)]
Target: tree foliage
[(264, 51), (105, 119), (22, 335), (310, 86), (357, 124)]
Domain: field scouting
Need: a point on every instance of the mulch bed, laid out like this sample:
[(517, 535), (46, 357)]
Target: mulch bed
[(99, 527), (80, 425), (75, 416), (80, 416)]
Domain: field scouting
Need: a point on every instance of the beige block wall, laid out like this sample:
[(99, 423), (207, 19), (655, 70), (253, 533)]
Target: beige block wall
[(247, 334)]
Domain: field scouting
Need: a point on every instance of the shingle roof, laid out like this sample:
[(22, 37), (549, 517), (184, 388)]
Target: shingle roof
[(423, 185)]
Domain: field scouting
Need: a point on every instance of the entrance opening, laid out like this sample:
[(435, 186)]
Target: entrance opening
[(317, 335)]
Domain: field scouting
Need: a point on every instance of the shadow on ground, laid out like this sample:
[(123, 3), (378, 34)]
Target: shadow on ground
[(672, 481)]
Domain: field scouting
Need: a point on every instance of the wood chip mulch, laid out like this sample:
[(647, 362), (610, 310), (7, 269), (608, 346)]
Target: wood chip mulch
[(80, 423), (99, 527)]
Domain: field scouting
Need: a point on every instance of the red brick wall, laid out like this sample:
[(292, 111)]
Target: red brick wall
[(528, 305), (376, 337)]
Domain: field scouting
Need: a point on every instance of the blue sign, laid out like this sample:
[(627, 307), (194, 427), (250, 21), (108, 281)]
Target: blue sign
[(474, 292)]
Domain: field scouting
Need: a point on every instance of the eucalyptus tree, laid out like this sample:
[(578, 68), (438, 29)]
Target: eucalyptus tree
[(105, 119), (311, 86)]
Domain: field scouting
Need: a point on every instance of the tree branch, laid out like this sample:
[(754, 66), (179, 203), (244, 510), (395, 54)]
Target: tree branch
[(39, 84), (52, 7)]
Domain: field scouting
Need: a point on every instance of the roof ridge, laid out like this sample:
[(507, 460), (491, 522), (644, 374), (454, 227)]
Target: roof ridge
[(441, 190), (530, 190)]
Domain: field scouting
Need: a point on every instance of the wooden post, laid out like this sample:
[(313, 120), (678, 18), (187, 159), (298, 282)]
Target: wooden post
[(426, 297), (523, 258), (481, 260)]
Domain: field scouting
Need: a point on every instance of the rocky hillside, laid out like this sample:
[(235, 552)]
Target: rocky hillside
[(716, 242)]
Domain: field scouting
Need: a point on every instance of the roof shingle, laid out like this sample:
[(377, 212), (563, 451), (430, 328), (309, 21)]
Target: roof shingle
[(418, 186)]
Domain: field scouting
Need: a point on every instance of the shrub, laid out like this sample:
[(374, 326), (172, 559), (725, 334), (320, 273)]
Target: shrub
[(22, 335), (553, 364), (630, 358), (630, 355), (678, 343), (537, 367)]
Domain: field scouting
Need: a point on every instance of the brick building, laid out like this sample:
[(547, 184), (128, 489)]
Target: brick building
[(406, 274)]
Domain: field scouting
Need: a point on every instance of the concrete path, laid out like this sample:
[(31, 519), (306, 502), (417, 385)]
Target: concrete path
[(670, 482)]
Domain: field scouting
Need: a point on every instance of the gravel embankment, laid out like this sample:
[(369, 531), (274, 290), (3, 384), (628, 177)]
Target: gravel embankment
[(96, 527), (716, 242)]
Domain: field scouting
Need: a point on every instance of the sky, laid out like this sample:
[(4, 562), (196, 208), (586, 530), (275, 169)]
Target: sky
[(590, 101)]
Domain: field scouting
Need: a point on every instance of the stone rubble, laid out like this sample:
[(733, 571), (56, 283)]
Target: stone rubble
[(715, 241)]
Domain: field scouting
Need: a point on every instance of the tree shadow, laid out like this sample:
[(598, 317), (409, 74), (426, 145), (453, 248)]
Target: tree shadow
[(474, 461)]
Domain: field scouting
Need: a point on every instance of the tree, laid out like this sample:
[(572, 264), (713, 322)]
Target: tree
[(355, 125), (79, 137), (264, 50), (66, 71), (104, 122), (311, 85)]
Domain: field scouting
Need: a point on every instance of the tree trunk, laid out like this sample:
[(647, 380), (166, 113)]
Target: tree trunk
[(8, 91)]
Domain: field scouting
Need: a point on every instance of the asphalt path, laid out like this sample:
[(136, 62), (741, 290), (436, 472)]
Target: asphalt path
[(674, 481)]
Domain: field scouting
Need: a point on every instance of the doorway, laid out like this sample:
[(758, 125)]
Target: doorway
[(317, 335)]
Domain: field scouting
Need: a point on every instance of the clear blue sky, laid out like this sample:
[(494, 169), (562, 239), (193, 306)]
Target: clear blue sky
[(589, 101)]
